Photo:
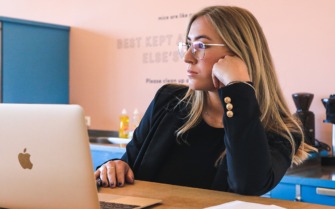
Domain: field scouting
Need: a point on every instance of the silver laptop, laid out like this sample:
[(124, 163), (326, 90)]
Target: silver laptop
[(45, 160)]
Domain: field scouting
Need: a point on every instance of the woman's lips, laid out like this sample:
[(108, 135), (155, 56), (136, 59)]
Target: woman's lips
[(191, 72)]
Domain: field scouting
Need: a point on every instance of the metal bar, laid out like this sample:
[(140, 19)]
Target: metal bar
[(297, 193), (333, 140), (1, 83), (325, 191)]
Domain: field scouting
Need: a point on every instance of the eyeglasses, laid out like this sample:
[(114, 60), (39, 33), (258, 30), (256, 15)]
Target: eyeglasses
[(197, 48)]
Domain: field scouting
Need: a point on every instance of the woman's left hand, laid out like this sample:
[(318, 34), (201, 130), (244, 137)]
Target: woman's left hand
[(228, 69)]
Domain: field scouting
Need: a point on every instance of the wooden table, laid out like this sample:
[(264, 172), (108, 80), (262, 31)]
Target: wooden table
[(186, 197)]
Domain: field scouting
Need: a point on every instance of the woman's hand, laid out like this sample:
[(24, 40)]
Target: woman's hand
[(114, 173), (227, 69)]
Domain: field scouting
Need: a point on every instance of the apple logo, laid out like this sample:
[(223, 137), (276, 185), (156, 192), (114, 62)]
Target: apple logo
[(24, 160)]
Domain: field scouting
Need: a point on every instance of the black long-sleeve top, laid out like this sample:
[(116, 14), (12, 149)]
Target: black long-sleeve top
[(192, 163), (255, 160)]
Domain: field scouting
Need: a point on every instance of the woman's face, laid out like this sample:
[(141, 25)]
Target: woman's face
[(199, 72)]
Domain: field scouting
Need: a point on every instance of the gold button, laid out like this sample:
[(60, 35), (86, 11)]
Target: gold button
[(227, 100), (229, 106), (230, 114)]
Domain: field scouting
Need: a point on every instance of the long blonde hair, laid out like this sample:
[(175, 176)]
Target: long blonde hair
[(242, 33)]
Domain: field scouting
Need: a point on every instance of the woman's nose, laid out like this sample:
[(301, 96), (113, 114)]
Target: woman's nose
[(189, 58)]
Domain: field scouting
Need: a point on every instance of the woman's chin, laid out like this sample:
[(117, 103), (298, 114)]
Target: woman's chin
[(194, 85)]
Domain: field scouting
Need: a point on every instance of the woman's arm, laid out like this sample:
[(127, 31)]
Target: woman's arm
[(114, 172), (256, 161), (136, 147)]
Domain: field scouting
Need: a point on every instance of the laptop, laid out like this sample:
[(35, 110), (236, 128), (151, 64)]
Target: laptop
[(45, 160)]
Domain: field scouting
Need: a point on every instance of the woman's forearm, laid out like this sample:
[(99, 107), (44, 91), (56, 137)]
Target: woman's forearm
[(254, 167)]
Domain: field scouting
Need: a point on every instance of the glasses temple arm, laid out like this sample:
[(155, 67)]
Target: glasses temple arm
[(215, 44)]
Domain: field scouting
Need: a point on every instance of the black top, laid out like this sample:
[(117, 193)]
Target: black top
[(192, 163), (255, 162)]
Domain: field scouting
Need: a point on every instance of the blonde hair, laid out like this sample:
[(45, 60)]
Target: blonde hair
[(242, 33)]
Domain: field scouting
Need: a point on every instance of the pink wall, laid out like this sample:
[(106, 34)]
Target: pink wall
[(105, 79)]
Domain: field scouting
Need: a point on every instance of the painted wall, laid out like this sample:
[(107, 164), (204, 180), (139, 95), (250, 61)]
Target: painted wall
[(116, 46)]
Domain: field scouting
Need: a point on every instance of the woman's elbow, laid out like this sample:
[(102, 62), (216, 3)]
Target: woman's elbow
[(252, 188)]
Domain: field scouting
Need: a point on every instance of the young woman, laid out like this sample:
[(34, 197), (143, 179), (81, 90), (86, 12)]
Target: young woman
[(230, 129)]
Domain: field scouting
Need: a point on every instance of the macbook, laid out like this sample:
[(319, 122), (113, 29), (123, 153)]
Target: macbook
[(46, 162)]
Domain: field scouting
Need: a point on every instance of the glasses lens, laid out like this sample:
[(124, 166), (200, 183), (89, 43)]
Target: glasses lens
[(182, 49), (198, 50)]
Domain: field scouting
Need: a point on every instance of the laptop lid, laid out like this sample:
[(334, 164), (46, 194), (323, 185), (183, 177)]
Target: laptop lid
[(45, 158)]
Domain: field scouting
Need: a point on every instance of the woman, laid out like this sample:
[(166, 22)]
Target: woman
[(230, 130)]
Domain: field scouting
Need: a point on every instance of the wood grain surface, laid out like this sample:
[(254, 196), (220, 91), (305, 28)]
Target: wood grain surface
[(186, 197)]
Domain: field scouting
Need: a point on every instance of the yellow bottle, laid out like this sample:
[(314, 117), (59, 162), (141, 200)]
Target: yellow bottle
[(124, 125)]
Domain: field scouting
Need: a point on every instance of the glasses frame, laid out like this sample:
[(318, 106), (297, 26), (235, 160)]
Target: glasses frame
[(190, 46)]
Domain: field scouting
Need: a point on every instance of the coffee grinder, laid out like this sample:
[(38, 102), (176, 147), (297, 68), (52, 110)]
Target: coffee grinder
[(303, 101), (330, 118)]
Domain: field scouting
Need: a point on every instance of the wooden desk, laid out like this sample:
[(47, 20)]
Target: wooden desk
[(186, 197)]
